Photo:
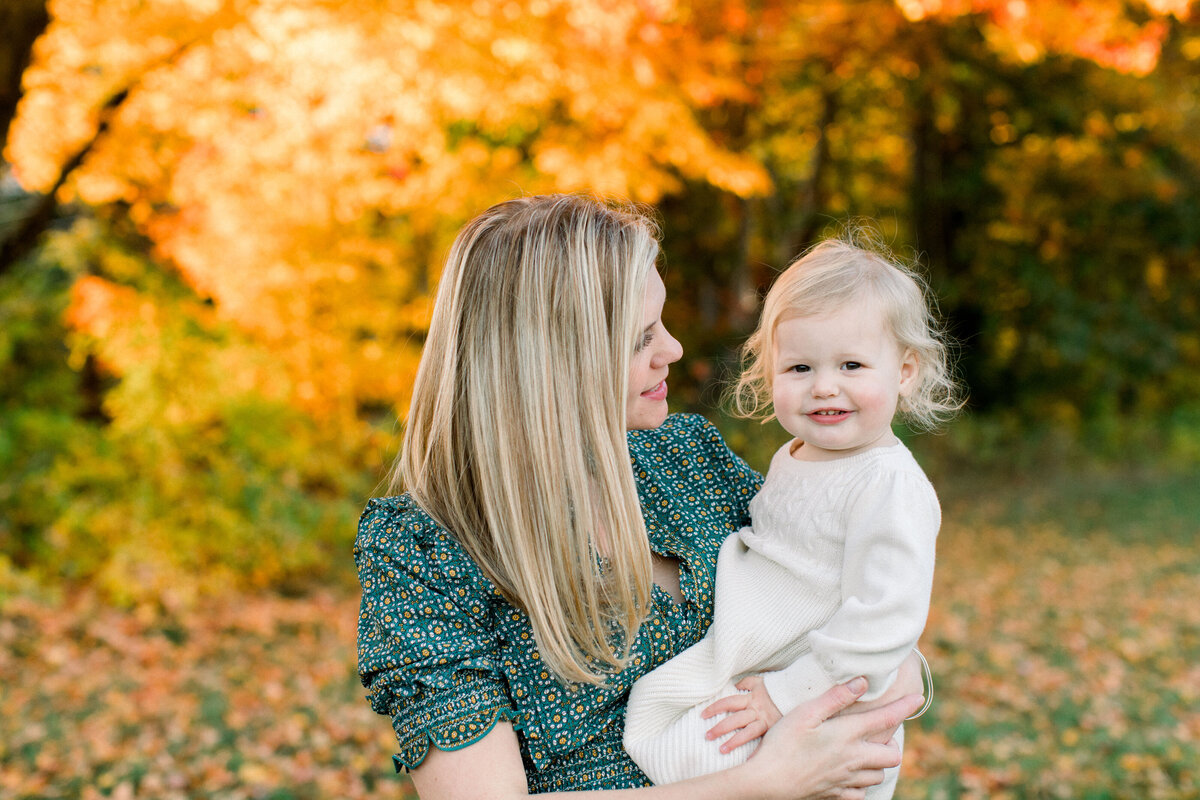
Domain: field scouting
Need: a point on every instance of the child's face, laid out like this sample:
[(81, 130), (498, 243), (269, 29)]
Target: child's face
[(838, 378)]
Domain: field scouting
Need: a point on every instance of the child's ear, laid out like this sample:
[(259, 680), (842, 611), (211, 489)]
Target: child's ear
[(910, 370)]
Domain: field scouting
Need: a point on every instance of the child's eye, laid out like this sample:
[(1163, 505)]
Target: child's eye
[(851, 365), (800, 368)]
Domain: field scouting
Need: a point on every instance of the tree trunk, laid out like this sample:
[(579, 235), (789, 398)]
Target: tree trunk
[(804, 220), (22, 240), (22, 22)]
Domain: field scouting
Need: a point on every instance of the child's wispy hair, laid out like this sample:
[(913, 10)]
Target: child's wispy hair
[(852, 267)]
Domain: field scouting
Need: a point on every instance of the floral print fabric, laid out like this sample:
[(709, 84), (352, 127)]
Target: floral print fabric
[(446, 657)]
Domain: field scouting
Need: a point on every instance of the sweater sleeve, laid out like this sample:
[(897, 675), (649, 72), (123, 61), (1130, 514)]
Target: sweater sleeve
[(892, 522)]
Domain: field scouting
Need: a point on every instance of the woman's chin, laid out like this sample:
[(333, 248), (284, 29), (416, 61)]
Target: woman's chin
[(646, 415)]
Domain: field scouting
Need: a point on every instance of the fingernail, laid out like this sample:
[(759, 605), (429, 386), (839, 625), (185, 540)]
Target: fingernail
[(858, 685)]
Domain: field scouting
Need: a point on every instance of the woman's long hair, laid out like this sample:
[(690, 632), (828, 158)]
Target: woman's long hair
[(515, 439)]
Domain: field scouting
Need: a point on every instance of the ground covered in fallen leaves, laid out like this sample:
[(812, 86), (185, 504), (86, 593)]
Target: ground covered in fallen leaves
[(1067, 665), (252, 697)]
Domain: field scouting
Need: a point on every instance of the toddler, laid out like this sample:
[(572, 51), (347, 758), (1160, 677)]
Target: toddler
[(832, 578)]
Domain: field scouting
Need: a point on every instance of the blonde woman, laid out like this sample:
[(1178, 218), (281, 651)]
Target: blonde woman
[(558, 532)]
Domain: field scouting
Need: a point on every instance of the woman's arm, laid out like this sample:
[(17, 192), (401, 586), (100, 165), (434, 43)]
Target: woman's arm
[(812, 754), (752, 713)]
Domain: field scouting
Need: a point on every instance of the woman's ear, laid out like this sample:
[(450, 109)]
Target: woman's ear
[(910, 370)]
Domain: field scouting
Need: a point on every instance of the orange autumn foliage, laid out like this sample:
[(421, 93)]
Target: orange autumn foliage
[(302, 164), (1104, 32), (269, 187)]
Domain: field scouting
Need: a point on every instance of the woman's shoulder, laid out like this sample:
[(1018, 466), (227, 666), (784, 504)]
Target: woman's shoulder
[(395, 521), (395, 531), (687, 441), (679, 434), (685, 460)]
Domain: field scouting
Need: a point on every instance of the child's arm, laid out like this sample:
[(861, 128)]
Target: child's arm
[(887, 575)]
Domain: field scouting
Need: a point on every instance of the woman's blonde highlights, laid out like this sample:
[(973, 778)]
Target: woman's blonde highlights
[(515, 439)]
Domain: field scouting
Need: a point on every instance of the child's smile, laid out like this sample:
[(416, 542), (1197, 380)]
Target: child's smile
[(838, 378)]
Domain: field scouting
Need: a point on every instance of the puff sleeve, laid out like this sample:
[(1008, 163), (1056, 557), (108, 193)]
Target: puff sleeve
[(428, 646)]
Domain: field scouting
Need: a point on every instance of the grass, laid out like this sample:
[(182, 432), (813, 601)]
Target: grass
[(1064, 639)]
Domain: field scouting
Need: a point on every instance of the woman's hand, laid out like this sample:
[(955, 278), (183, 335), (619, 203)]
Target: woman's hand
[(753, 712), (815, 754), (908, 682), (750, 713)]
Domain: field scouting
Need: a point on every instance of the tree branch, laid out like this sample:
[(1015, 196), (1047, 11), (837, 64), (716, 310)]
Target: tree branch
[(22, 240), (29, 230)]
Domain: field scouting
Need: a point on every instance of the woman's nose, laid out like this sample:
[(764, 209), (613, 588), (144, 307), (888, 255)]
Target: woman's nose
[(669, 352)]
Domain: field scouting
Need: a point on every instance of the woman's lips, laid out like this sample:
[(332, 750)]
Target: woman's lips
[(659, 392)]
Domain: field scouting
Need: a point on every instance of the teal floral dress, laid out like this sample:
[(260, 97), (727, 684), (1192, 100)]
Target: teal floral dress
[(445, 656)]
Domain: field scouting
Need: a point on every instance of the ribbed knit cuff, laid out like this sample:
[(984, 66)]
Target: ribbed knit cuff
[(796, 683)]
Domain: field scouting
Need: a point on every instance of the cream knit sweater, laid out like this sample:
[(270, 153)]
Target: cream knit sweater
[(831, 581)]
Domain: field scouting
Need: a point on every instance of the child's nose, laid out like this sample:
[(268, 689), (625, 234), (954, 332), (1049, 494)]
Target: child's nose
[(824, 386)]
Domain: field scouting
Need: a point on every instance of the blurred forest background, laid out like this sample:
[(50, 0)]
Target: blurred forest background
[(221, 223)]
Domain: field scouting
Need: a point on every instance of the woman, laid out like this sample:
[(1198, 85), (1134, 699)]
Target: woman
[(528, 575)]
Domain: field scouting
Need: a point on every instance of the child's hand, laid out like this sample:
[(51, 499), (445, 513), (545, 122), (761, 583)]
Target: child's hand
[(750, 714)]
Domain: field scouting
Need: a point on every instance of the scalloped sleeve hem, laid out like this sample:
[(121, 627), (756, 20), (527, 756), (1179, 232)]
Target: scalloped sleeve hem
[(450, 720)]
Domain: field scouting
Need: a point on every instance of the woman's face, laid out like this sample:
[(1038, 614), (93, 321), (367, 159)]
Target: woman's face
[(646, 405)]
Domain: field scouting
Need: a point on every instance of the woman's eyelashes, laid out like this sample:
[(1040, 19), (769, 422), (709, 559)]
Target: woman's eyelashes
[(644, 342)]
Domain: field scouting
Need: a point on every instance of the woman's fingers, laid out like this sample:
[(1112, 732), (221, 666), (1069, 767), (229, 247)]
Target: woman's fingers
[(865, 778), (880, 724), (818, 753), (860, 780), (834, 701), (908, 676)]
